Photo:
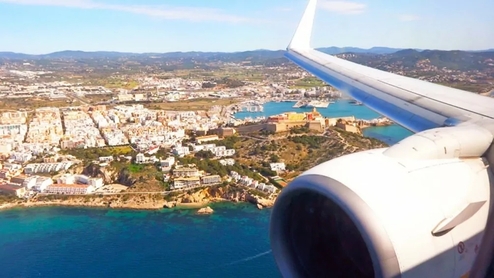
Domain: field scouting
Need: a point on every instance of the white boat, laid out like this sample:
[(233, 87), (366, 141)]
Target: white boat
[(311, 104), (317, 104)]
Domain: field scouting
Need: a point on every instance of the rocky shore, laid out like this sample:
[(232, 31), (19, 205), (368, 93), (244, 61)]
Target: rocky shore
[(199, 199), (220, 194)]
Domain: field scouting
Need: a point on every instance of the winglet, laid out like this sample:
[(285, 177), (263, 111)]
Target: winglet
[(301, 39)]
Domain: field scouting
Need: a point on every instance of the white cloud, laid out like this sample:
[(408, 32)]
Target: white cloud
[(343, 7), (165, 12), (408, 17)]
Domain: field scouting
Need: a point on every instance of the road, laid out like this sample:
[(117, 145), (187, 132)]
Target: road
[(74, 96)]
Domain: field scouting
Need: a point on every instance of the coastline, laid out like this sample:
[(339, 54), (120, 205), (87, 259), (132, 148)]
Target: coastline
[(151, 205)]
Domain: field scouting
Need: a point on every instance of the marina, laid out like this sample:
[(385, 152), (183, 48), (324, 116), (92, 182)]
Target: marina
[(377, 127)]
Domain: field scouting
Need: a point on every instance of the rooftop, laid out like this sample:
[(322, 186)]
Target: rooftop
[(69, 185)]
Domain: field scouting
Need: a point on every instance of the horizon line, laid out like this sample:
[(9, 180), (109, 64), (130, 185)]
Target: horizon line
[(239, 51)]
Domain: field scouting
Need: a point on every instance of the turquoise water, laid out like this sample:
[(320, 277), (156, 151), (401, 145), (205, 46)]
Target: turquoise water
[(73, 242), (342, 108), (69, 242)]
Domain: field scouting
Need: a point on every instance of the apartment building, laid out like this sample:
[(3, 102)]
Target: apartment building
[(180, 183), (214, 179), (69, 189), (186, 172)]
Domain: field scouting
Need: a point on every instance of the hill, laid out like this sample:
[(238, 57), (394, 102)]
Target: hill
[(409, 59), (374, 50), (375, 56)]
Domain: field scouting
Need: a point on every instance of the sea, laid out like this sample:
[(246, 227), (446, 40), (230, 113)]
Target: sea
[(82, 242)]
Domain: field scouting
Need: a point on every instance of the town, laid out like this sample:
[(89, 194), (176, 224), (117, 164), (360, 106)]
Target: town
[(33, 148), (167, 131)]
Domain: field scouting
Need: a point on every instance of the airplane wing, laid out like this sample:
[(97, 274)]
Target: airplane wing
[(414, 104), (420, 208)]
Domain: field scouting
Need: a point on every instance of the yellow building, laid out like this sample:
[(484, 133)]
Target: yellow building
[(296, 116)]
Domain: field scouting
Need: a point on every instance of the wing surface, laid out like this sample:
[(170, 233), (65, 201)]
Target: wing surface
[(415, 104)]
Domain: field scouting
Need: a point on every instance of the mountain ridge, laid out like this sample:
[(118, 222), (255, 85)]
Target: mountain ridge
[(79, 54)]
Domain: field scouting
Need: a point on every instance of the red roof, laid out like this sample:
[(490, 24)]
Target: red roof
[(9, 187)]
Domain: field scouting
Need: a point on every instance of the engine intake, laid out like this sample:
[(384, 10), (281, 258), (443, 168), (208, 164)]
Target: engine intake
[(319, 228), (371, 215)]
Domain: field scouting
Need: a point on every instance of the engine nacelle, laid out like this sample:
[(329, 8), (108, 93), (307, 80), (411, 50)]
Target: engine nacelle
[(372, 215)]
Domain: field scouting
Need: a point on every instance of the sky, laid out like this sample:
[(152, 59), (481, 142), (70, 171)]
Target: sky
[(45, 26)]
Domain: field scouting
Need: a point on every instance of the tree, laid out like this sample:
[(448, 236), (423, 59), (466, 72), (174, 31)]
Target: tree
[(274, 158), (204, 154)]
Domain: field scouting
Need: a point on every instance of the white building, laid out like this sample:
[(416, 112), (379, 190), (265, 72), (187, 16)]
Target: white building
[(66, 179), (29, 182), (168, 163), (140, 158), (47, 167), (224, 153), (227, 162), (69, 189), (80, 179), (42, 183), (181, 151), (105, 158), (21, 157), (180, 183), (96, 182), (278, 166), (204, 147), (186, 172), (211, 179)]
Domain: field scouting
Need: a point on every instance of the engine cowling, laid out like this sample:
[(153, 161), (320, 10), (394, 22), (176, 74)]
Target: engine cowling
[(369, 214)]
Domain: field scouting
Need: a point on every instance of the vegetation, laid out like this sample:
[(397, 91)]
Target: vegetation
[(198, 104), (135, 168), (113, 83), (230, 142), (299, 151), (94, 153), (307, 82), (300, 130), (310, 141), (4, 198), (214, 167), (259, 193), (35, 102), (204, 154)]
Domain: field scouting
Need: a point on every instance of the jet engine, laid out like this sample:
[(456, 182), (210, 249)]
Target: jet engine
[(379, 214)]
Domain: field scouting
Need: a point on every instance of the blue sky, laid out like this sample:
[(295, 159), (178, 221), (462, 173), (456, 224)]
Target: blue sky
[(43, 26)]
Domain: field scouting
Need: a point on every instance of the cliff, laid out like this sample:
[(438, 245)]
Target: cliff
[(128, 201), (109, 174), (215, 194), (152, 201)]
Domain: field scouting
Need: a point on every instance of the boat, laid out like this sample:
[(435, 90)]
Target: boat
[(317, 104), (300, 103), (311, 104)]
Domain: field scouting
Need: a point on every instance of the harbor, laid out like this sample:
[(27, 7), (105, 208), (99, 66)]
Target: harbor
[(371, 123)]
